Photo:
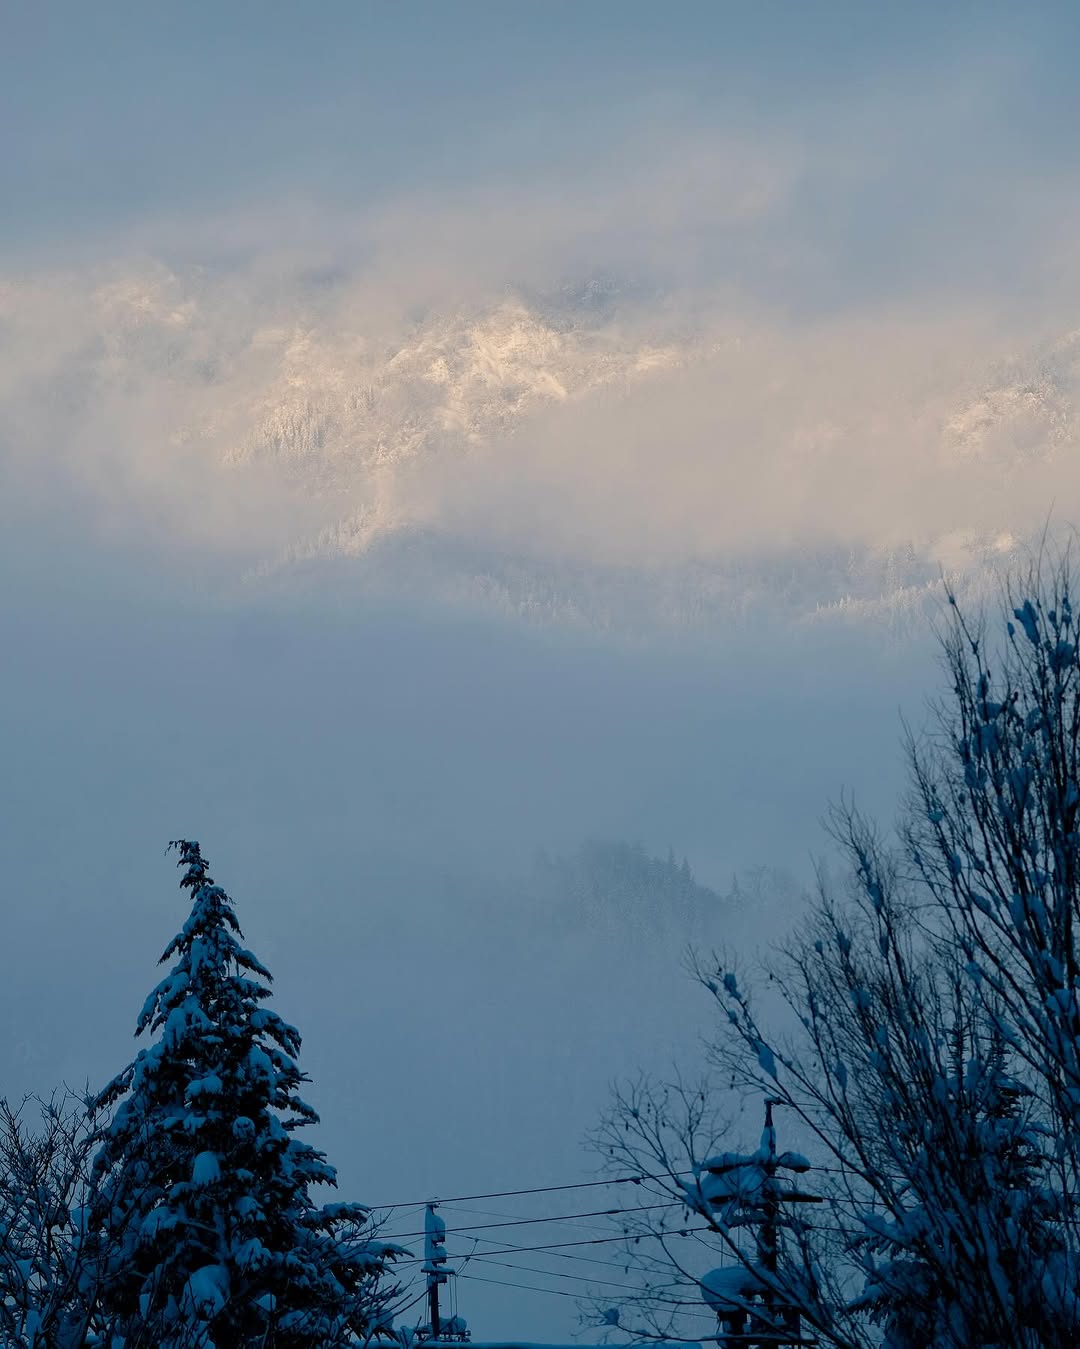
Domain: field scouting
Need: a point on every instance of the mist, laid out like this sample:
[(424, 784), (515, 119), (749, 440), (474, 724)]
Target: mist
[(438, 497), (374, 792)]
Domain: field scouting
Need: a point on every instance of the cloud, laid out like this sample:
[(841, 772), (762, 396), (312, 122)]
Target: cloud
[(649, 354), (845, 433)]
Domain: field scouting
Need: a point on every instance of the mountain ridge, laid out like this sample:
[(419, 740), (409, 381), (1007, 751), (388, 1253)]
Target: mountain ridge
[(384, 433)]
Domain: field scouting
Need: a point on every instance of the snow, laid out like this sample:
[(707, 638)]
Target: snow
[(211, 1085), (1028, 620), (206, 1169), (208, 1290), (259, 1062), (721, 1288), (766, 1060), (156, 1221), (250, 1254), (435, 1246)]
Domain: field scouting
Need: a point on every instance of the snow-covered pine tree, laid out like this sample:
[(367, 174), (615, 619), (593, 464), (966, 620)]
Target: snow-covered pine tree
[(204, 1203)]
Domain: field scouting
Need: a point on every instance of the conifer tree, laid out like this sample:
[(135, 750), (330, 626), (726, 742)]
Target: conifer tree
[(203, 1205)]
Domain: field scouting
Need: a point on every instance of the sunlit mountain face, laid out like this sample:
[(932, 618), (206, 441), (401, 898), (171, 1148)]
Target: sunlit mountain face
[(599, 452)]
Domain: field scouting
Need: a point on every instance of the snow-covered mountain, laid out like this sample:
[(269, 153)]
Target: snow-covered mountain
[(473, 454)]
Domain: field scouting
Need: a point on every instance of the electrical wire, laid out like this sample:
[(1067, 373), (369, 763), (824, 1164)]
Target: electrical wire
[(576, 1223), (560, 1292), (557, 1274), (634, 1237), (556, 1254), (559, 1249), (555, 1249), (488, 1212), (638, 1291), (529, 1288), (636, 1179), (539, 1189), (470, 1233), (559, 1218)]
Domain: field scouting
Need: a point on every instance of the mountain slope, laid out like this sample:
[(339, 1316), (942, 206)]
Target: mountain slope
[(594, 454)]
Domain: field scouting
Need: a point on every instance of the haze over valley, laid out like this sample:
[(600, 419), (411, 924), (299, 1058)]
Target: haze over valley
[(497, 526)]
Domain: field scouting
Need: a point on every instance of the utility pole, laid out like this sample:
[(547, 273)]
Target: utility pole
[(768, 1239), (434, 1266), (749, 1309)]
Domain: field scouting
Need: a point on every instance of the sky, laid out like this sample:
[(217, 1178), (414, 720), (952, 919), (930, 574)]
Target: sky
[(123, 111), (120, 112), (433, 436)]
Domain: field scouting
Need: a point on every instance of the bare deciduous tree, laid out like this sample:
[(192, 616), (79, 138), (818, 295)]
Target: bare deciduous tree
[(47, 1274), (929, 1051)]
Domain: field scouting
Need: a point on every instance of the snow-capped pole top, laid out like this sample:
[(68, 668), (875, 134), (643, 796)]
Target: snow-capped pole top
[(729, 1286), (435, 1245), (744, 1178)]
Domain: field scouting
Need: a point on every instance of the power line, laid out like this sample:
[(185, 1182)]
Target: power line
[(539, 1189), (561, 1292), (564, 1217), (637, 1179), (568, 1220), (556, 1254), (634, 1237), (483, 1212), (556, 1274), (470, 1233), (529, 1288)]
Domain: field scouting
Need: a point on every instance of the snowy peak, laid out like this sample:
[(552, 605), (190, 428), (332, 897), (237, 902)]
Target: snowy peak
[(590, 453), (339, 401)]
